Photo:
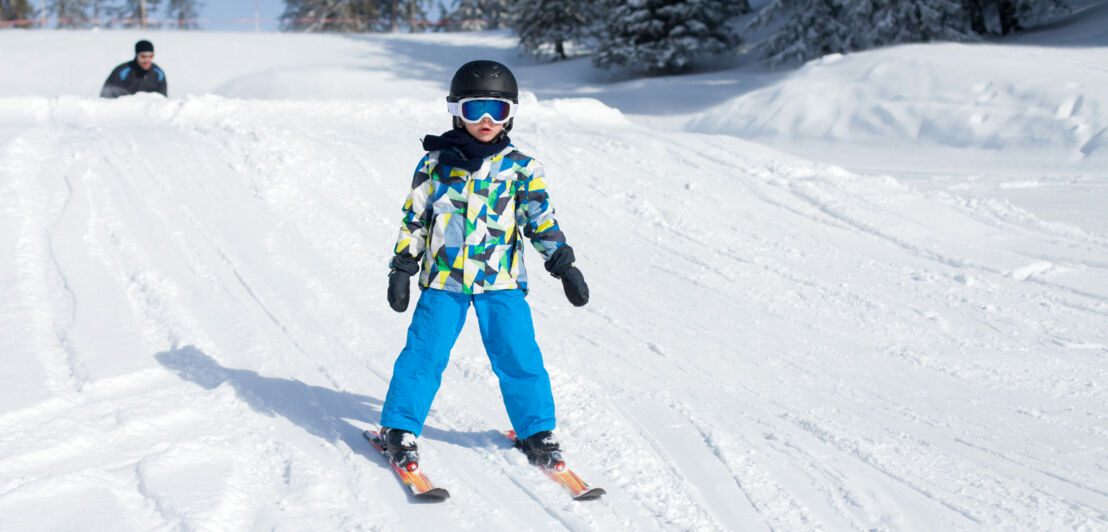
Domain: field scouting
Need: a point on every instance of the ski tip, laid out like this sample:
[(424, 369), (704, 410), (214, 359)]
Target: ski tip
[(591, 495), (435, 495)]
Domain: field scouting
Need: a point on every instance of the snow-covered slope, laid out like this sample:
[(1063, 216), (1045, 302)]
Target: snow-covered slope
[(937, 98), (194, 327), (1023, 118)]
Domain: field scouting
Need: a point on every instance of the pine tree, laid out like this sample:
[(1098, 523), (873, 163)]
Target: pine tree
[(99, 8), (305, 15), (70, 13), (976, 14), (873, 23), (1011, 15), (354, 15), (667, 35), (813, 28), (478, 15), (1031, 12), (392, 13), (332, 15), (545, 26), (403, 13), (131, 13), (184, 12), (16, 10)]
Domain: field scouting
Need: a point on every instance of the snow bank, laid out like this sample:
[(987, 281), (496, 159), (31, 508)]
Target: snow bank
[(569, 111), (959, 96)]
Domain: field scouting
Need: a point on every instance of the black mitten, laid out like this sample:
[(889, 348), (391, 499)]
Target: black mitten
[(573, 283), (561, 267), (403, 268)]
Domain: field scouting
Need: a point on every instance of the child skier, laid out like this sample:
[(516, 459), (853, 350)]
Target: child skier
[(472, 196)]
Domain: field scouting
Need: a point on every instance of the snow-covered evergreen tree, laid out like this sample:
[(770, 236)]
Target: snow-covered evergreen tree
[(70, 13), (132, 14), (546, 26), (812, 28), (873, 23), (1004, 16), (667, 35), (306, 15), (354, 15), (99, 8), (477, 15), (16, 10), (409, 14), (1031, 12), (334, 15), (184, 12)]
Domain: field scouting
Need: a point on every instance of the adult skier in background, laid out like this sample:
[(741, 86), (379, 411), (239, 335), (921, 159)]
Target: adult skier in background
[(473, 197), (137, 75)]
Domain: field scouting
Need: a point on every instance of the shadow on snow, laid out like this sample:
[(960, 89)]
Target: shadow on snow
[(320, 411), (714, 83)]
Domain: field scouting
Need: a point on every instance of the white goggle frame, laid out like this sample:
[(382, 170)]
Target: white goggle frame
[(455, 108)]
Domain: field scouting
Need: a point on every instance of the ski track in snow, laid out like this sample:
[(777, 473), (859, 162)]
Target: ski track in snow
[(196, 302), (36, 260)]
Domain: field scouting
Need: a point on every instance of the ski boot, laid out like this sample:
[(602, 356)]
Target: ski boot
[(542, 449), (401, 448)]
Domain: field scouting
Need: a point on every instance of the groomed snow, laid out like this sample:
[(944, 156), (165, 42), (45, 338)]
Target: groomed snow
[(1027, 111), (968, 97), (195, 332)]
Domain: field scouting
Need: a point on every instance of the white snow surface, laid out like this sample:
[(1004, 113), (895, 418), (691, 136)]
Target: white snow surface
[(194, 329), (1028, 111)]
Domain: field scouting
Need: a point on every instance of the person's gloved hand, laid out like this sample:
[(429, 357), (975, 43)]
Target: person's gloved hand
[(403, 268), (561, 267)]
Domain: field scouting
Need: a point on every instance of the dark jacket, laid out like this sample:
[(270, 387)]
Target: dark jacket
[(130, 78)]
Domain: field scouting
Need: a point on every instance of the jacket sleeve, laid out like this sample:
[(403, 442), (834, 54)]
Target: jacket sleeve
[(417, 212), (535, 215), (162, 86), (111, 88)]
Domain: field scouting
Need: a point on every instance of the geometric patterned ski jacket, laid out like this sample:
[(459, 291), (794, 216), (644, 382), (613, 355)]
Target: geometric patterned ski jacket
[(466, 226)]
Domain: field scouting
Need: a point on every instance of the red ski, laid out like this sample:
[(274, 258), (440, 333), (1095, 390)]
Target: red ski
[(567, 478), (420, 486)]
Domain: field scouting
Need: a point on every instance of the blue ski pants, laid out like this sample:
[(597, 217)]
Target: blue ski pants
[(509, 337)]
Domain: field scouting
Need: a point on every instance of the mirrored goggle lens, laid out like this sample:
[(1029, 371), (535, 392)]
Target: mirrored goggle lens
[(473, 110)]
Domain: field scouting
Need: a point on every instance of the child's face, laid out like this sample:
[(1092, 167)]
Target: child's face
[(484, 130)]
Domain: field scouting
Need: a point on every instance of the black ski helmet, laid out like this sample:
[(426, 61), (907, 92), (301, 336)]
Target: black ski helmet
[(483, 78)]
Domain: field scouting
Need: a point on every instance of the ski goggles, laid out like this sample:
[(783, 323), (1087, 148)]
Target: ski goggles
[(473, 110)]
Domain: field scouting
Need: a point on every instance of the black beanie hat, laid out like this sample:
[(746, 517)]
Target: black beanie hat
[(143, 46)]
